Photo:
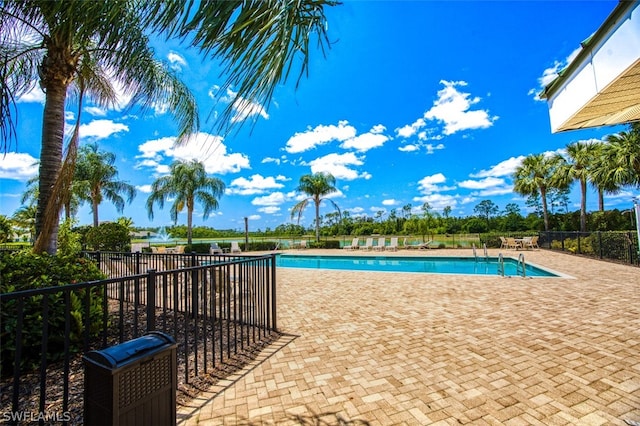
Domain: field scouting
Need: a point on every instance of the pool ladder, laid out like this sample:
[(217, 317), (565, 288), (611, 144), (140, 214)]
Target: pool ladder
[(484, 246), (500, 265), (523, 265)]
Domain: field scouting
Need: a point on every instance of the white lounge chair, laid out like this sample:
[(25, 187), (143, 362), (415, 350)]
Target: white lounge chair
[(368, 245), (382, 242), (393, 244), (303, 244), (353, 245), (215, 249), (235, 247)]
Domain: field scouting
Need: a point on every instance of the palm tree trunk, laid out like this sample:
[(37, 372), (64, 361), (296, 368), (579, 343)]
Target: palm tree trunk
[(317, 203), (189, 224), (545, 213), (600, 199), (94, 209), (583, 206), (50, 165)]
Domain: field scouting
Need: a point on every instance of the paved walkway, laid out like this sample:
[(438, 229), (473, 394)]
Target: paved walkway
[(391, 349)]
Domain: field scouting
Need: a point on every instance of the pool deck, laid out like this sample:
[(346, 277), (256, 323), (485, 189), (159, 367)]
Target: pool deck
[(377, 348)]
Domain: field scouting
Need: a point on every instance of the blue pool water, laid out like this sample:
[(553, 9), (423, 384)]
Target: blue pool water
[(430, 265)]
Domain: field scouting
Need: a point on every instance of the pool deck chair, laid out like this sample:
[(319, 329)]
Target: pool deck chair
[(215, 249), (393, 244), (302, 245), (353, 245), (368, 245), (425, 245), (235, 247), (382, 242), (503, 243)]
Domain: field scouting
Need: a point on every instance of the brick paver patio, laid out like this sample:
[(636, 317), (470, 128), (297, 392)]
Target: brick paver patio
[(390, 349)]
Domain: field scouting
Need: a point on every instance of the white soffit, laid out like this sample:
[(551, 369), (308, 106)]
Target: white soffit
[(601, 86)]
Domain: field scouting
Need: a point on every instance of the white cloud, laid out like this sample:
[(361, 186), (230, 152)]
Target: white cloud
[(551, 73), (243, 108), (34, 95), (145, 189), (409, 148), (366, 141), (101, 129), (18, 166), (256, 184), (176, 61), (320, 135), (410, 129), (504, 168), (206, 148), (273, 199), (270, 160), (390, 202), (269, 209), (438, 201), (96, 111), (430, 184), (339, 165), (453, 109), (488, 182)]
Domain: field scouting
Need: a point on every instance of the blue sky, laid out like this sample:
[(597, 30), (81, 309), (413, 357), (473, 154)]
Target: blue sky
[(416, 101)]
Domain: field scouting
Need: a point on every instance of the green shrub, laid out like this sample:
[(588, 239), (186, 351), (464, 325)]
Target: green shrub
[(24, 270), (198, 248), (109, 236), (327, 244)]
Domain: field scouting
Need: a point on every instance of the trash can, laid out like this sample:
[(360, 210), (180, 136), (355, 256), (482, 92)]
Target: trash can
[(133, 383)]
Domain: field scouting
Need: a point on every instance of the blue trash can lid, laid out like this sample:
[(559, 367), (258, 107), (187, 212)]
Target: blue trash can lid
[(123, 353)]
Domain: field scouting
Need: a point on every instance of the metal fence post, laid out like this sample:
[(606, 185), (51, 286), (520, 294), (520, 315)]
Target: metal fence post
[(151, 300), (273, 293)]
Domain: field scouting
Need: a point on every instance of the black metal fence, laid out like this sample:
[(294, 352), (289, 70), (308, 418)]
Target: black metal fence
[(608, 245), (216, 307)]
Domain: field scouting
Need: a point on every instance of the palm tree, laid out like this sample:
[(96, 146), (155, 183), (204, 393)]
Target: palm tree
[(623, 156), (95, 178), (578, 166), (535, 177), (186, 184), (84, 48), (80, 48), (602, 172), (317, 186), (25, 219)]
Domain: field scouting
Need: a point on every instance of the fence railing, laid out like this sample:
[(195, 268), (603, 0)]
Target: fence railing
[(215, 307), (609, 245)]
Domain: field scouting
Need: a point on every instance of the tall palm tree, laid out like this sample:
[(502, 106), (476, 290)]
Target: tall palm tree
[(84, 48), (186, 184), (623, 156), (96, 179), (602, 173), (535, 176), (80, 48), (317, 186), (578, 166)]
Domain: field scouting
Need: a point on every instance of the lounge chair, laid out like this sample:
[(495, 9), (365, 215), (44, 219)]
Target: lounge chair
[(382, 242), (393, 244), (513, 244), (235, 247), (531, 242), (503, 243), (353, 245), (303, 244), (425, 245), (215, 249), (368, 245)]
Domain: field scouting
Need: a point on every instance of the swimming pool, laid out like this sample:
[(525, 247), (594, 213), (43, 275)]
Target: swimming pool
[(429, 265)]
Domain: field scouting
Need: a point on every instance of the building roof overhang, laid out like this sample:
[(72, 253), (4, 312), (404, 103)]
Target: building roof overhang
[(601, 86)]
